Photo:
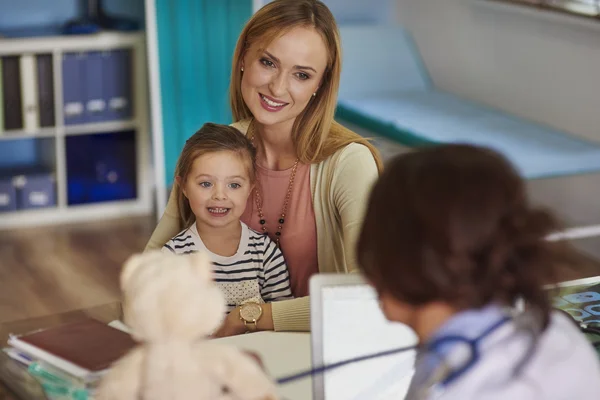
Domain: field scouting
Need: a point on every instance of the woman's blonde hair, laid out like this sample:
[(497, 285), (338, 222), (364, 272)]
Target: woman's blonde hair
[(315, 133), (210, 138)]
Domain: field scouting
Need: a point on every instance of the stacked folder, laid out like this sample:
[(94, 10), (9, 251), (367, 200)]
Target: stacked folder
[(96, 87), (27, 92), (69, 360), (27, 188)]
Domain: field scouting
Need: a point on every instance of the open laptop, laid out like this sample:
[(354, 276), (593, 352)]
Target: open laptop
[(346, 322)]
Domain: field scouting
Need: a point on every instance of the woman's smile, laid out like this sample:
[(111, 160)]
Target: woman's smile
[(270, 104)]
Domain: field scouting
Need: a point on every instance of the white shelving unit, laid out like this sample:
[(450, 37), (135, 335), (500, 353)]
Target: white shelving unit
[(63, 212)]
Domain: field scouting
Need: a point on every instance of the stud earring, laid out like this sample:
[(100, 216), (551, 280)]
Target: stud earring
[(314, 94), (242, 69)]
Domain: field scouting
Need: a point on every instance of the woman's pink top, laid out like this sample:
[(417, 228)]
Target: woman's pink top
[(298, 238)]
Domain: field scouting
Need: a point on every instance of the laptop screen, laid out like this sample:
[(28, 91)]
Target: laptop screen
[(353, 326)]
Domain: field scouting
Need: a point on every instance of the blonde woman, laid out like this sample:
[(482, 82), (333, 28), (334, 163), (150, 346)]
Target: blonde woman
[(313, 175)]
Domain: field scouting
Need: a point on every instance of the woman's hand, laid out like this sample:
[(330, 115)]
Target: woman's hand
[(232, 325)]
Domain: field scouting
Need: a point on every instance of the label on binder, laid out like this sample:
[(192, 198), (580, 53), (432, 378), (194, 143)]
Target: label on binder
[(96, 105), (72, 109), (118, 103), (38, 198)]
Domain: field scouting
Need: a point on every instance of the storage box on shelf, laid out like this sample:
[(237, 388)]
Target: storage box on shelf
[(36, 190), (8, 195), (27, 174), (83, 99), (27, 189)]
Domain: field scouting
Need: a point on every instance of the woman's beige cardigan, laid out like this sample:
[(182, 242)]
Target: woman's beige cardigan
[(340, 187)]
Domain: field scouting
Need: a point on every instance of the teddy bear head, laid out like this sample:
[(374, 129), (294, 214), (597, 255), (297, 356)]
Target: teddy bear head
[(170, 297)]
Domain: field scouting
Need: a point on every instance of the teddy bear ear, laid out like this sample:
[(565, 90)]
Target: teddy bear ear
[(136, 261), (129, 267)]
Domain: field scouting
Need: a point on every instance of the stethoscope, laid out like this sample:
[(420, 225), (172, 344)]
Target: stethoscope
[(465, 355)]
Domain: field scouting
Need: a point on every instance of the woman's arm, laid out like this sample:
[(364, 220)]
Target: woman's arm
[(233, 325), (356, 173), (291, 315), (167, 227), (285, 315)]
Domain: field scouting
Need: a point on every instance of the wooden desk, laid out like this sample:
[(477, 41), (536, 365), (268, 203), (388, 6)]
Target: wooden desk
[(283, 354)]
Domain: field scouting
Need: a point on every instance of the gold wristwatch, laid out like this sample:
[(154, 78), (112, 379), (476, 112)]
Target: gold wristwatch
[(250, 313)]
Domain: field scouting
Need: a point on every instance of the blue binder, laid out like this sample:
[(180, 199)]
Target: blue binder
[(95, 93), (73, 77), (118, 84)]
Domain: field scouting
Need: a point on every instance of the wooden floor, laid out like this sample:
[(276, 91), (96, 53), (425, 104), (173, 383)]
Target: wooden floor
[(62, 268), (52, 270)]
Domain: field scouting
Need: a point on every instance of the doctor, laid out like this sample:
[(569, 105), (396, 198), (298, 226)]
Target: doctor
[(449, 242)]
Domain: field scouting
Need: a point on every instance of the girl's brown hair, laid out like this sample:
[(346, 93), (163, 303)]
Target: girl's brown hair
[(315, 133), (210, 138), (453, 224)]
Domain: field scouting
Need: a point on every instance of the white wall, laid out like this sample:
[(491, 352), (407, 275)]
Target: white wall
[(546, 69), (361, 11)]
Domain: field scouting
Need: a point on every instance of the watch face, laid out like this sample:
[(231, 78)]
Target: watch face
[(251, 312)]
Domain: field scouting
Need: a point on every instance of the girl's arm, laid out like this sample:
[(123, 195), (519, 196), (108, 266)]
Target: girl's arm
[(275, 282), (167, 227)]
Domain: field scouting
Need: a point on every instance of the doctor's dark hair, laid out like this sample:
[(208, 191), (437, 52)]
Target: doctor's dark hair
[(453, 223), (210, 138)]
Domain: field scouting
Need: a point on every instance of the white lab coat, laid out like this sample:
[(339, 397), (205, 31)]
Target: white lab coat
[(564, 367)]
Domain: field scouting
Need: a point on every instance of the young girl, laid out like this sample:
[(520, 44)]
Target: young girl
[(215, 175), (450, 243)]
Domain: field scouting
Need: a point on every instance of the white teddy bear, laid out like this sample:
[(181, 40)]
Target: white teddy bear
[(172, 305)]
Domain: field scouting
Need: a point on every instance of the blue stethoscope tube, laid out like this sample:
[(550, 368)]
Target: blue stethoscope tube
[(324, 368)]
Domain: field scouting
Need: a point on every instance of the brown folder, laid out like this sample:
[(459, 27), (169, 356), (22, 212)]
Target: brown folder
[(88, 344)]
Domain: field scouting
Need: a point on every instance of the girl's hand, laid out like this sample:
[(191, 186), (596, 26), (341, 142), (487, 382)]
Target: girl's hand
[(256, 358), (231, 326)]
